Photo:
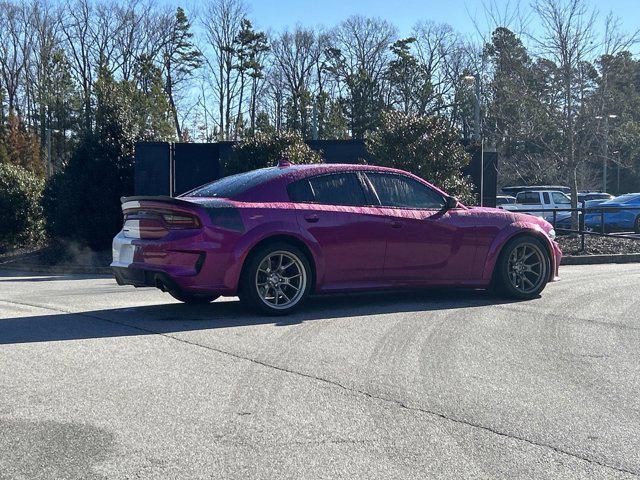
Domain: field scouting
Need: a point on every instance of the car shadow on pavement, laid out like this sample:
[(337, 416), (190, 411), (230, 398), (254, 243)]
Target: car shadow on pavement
[(227, 313)]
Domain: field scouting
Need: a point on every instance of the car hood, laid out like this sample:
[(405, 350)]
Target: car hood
[(500, 217)]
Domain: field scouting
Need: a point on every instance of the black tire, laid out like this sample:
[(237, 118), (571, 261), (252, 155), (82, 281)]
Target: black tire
[(252, 274), (636, 227), (193, 298), (509, 280)]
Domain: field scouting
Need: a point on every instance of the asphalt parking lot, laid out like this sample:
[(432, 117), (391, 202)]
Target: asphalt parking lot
[(99, 381)]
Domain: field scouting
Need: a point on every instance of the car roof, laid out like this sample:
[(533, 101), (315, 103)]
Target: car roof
[(275, 179), (541, 191), (315, 168)]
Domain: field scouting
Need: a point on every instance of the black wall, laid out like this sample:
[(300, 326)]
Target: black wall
[(174, 168)]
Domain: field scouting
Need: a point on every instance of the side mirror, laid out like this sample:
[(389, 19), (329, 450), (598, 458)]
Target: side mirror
[(450, 203)]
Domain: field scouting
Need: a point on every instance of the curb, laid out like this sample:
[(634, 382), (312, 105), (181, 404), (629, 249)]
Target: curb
[(600, 259), (57, 269)]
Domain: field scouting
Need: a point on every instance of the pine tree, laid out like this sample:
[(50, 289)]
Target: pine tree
[(180, 58)]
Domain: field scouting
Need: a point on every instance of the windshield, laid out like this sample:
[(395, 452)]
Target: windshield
[(234, 185), (560, 198)]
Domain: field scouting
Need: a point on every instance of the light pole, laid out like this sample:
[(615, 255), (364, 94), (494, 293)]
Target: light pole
[(475, 79), (314, 120), (605, 147), (477, 135), (616, 154), (48, 139)]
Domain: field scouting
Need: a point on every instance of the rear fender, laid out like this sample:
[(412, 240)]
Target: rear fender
[(263, 232), (505, 235)]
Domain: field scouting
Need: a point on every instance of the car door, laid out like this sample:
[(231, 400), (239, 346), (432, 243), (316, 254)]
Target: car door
[(333, 211), (425, 243)]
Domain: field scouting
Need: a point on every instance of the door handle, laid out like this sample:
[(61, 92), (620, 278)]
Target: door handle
[(312, 219), (395, 225)]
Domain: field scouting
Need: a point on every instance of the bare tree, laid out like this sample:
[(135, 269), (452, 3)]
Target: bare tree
[(567, 38), (15, 42), (295, 56), (222, 22), (75, 25), (359, 54)]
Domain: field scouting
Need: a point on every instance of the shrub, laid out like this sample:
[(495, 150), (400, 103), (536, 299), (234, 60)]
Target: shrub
[(266, 149), (20, 212), (426, 146), (82, 202)]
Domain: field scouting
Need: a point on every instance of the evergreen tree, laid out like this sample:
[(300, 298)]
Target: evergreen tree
[(180, 59)]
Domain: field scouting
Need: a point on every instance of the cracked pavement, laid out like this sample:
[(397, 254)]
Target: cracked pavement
[(100, 381)]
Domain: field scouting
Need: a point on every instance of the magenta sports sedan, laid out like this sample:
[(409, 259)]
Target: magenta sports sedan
[(275, 235)]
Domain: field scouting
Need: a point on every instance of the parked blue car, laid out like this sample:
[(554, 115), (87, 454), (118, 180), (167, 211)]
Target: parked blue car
[(625, 220), (563, 219)]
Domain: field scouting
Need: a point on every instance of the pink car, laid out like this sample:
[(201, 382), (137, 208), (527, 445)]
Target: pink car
[(273, 236)]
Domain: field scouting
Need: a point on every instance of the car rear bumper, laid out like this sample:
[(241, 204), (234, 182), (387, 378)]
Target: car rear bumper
[(188, 265)]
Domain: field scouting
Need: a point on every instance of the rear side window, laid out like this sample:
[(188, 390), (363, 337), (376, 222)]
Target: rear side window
[(404, 192), (332, 189), (529, 198), (300, 191), (234, 185)]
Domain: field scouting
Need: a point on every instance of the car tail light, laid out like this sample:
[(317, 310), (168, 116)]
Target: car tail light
[(175, 221)]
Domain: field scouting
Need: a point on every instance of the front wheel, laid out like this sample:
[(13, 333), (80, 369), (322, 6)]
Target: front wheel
[(276, 279), (523, 268)]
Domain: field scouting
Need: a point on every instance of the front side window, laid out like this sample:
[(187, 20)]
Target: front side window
[(404, 192), (333, 189)]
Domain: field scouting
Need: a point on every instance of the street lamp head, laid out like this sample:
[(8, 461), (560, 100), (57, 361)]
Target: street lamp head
[(613, 116), (469, 78), (598, 117)]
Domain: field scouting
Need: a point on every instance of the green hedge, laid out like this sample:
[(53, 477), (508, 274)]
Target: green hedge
[(21, 220), (266, 149), (82, 203)]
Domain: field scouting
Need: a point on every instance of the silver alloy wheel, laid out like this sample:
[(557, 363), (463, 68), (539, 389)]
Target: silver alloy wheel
[(527, 268), (281, 280)]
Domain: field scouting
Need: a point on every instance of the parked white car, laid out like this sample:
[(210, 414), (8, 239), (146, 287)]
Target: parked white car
[(542, 200)]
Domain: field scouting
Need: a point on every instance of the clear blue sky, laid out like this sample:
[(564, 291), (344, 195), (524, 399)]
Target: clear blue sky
[(279, 14)]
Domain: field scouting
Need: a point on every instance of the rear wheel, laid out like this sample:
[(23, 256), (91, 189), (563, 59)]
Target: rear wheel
[(276, 279), (522, 271), (193, 298)]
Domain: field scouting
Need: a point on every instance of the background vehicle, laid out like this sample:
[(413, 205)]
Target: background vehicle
[(514, 190), (563, 219), (587, 196), (274, 235), (539, 200), (505, 200), (626, 220)]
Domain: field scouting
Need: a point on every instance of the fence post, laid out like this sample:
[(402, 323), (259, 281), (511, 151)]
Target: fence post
[(581, 227), (555, 217)]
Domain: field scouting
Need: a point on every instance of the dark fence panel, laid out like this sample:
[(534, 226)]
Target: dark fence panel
[(152, 170), (487, 163), (193, 164)]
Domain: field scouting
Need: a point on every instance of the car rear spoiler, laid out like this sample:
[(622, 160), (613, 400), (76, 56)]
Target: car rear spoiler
[(157, 199)]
